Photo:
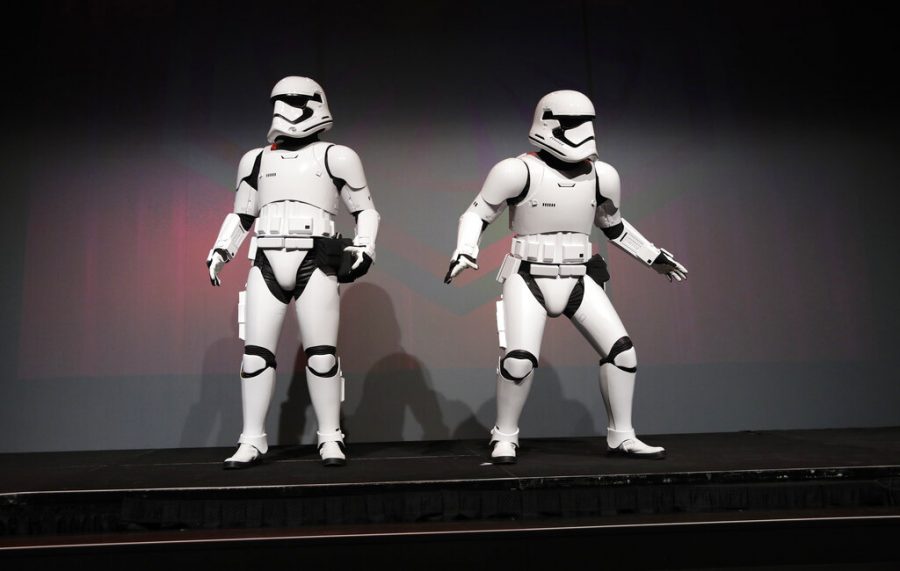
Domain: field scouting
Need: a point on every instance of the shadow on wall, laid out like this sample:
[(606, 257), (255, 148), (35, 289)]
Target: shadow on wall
[(216, 416), (397, 392)]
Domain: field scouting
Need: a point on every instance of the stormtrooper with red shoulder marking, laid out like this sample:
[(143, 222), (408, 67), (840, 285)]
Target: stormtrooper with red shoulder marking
[(291, 190), (554, 197)]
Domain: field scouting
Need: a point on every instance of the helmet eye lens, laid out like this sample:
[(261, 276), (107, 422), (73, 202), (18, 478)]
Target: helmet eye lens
[(567, 122), (297, 100), (571, 121)]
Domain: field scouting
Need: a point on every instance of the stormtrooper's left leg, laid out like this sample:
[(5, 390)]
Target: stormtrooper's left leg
[(600, 324), (318, 313)]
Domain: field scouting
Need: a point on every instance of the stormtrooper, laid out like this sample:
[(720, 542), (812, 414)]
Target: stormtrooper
[(555, 196), (291, 190)]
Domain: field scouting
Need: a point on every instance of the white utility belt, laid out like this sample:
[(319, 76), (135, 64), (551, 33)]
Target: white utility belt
[(283, 243), (291, 218), (569, 248), (511, 265)]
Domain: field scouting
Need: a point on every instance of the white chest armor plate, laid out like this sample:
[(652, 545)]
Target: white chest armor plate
[(297, 175), (555, 202)]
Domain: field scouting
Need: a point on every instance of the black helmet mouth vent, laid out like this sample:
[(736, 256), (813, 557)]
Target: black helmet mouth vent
[(560, 134), (307, 113)]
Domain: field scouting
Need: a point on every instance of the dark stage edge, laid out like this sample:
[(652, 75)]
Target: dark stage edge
[(724, 485)]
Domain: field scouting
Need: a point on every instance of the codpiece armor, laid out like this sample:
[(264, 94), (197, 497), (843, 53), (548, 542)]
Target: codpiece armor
[(555, 197), (291, 190)]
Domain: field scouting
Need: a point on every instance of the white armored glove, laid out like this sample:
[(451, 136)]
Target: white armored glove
[(471, 225), (360, 253), (358, 256), (231, 235), (214, 262), (362, 257), (459, 263), (666, 264)]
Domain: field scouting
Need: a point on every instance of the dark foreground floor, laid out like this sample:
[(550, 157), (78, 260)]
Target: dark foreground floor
[(817, 499)]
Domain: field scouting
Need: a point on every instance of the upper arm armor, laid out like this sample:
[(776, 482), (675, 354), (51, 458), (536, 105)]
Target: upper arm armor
[(344, 167), (507, 183), (507, 180), (246, 200), (608, 195)]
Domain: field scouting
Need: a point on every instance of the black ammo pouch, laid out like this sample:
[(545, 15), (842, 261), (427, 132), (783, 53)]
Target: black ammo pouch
[(596, 269), (329, 252)]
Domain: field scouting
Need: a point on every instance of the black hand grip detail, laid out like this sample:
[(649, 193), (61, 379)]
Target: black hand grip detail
[(347, 274), (449, 278)]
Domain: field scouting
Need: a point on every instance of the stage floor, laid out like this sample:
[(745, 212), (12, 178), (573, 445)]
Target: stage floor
[(839, 480), (723, 457)]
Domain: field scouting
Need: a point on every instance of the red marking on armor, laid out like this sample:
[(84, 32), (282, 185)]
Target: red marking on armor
[(274, 146)]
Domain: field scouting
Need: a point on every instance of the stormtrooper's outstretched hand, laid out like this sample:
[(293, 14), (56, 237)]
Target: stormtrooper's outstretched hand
[(214, 263), (666, 264), (459, 263)]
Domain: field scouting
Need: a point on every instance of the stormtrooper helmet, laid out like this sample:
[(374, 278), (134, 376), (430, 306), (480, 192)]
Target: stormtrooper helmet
[(563, 126), (300, 109)]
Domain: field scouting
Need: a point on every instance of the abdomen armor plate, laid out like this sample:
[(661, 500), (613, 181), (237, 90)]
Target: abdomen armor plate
[(555, 202), (297, 175)]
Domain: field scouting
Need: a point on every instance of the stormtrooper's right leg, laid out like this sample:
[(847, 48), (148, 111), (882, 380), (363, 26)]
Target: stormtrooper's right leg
[(524, 317), (265, 314)]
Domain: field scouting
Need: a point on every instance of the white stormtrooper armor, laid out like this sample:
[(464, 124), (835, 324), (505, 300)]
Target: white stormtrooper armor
[(555, 196), (291, 190)]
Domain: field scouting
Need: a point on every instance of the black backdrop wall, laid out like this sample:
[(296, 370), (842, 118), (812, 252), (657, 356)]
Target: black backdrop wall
[(758, 142)]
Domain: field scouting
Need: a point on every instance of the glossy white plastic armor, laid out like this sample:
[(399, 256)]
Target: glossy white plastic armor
[(555, 204), (291, 190), (554, 201)]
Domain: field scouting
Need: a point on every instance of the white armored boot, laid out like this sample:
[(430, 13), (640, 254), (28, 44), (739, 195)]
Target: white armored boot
[(504, 446), (331, 448), (250, 452), (625, 443)]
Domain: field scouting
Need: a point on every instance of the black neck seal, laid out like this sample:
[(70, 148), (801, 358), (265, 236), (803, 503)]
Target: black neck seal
[(293, 143), (560, 164)]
